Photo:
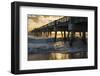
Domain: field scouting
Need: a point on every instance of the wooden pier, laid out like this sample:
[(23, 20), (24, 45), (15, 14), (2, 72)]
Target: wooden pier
[(64, 24)]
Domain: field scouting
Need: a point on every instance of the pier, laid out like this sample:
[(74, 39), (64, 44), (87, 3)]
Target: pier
[(71, 25)]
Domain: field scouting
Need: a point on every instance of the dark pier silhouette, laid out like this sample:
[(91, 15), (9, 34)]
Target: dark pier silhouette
[(64, 24)]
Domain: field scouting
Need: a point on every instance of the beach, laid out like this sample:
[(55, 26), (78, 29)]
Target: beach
[(45, 48)]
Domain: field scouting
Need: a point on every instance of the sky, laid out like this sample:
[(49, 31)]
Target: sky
[(36, 21)]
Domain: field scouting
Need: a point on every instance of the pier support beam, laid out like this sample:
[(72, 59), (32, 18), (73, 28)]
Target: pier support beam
[(64, 35), (84, 37), (61, 34), (55, 36), (71, 38)]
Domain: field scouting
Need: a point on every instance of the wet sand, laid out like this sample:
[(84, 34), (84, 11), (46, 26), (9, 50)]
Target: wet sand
[(57, 56), (46, 49)]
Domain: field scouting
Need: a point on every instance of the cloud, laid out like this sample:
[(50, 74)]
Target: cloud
[(35, 21)]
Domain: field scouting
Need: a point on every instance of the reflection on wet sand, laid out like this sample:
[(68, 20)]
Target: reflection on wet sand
[(49, 56), (57, 56)]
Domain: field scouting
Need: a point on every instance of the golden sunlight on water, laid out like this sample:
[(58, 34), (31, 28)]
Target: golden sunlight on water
[(49, 56), (56, 56), (59, 35), (59, 56)]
